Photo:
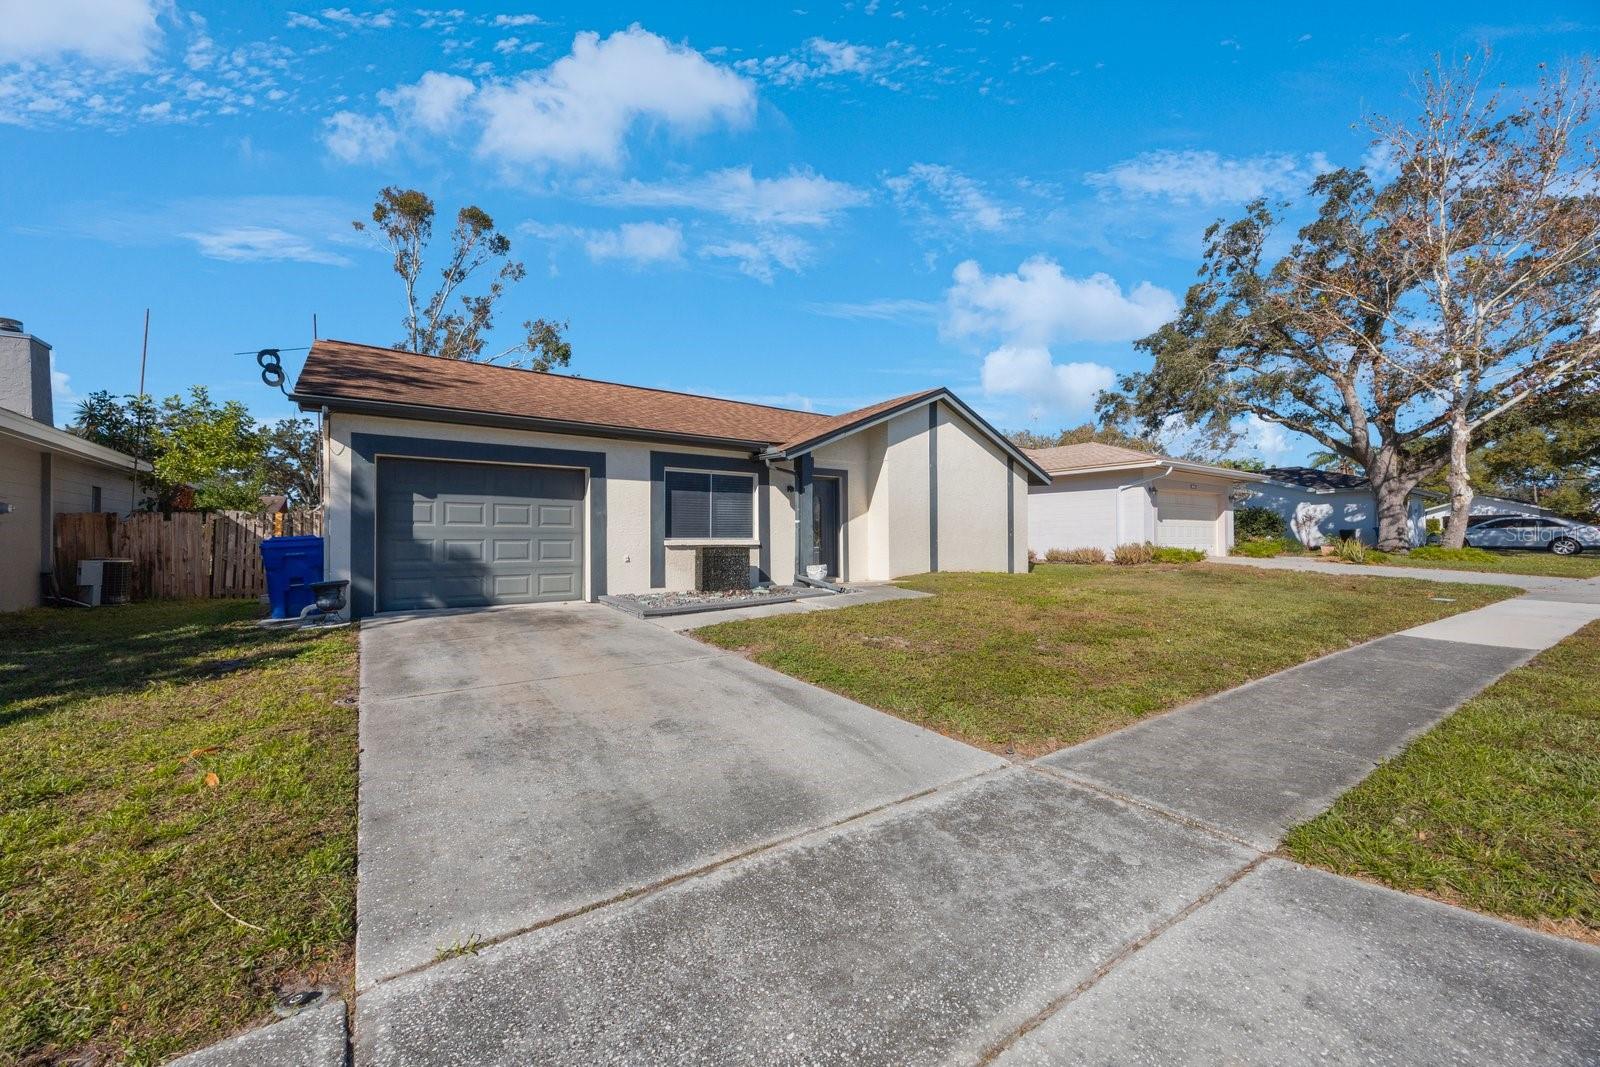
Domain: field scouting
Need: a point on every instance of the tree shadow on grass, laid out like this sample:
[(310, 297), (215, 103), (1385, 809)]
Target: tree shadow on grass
[(50, 658)]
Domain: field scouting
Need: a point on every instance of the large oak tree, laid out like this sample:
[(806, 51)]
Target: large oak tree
[(1415, 315)]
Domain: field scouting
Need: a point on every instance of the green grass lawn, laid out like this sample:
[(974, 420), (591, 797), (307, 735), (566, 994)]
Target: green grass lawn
[(149, 907), (1026, 663), (1497, 808), (1516, 561)]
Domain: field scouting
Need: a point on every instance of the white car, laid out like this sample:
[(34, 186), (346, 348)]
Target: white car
[(1561, 536)]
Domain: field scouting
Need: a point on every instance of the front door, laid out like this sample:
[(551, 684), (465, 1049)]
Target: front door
[(826, 513)]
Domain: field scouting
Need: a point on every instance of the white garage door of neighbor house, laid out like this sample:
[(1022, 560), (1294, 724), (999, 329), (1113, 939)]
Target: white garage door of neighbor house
[(1187, 520)]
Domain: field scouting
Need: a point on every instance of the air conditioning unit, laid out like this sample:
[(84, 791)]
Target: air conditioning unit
[(105, 581)]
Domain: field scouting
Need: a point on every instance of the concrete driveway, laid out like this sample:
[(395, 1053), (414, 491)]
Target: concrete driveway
[(681, 857), (521, 764)]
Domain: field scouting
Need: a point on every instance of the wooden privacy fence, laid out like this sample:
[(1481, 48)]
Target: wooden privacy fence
[(184, 554)]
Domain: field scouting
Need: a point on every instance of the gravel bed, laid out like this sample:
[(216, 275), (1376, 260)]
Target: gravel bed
[(674, 603)]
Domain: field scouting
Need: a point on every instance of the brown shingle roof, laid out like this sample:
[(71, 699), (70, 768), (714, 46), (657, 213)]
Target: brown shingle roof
[(1089, 454), (341, 370), (833, 425)]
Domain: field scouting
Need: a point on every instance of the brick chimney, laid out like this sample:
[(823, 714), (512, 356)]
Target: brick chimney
[(25, 373)]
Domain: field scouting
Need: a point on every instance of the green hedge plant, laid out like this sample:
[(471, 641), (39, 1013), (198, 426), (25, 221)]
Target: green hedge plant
[(1257, 524)]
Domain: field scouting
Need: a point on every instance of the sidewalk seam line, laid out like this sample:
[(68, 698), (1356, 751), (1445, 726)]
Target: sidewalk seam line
[(655, 887), (1100, 973), (1153, 808), (543, 678)]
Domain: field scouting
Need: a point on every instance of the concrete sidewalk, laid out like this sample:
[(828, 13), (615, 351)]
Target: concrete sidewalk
[(1256, 760), (1542, 585)]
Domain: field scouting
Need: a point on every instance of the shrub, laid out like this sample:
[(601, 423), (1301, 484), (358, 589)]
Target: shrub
[(1076, 555), (1257, 524), (1131, 554), (1452, 555), (1435, 526), (1351, 550), (1167, 554), (1264, 549)]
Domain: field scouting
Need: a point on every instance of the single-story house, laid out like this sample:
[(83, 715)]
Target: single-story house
[(451, 483), (1102, 496), (1483, 504), (44, 471), (1319, 505)]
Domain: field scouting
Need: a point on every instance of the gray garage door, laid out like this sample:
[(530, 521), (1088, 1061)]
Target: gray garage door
[(469, 534)]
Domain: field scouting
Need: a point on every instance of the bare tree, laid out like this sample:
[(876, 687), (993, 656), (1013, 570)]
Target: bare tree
[(402, 222), (1410, 318), (1497, 201)]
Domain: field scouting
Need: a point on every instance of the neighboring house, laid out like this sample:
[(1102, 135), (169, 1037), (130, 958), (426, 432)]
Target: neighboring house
[(1319, 506), (1489, 505), (457, 483), (43, 471), (1101, 496)]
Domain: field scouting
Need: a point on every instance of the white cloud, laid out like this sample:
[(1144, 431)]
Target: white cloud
[(63, 398), (1266, 439), (1030, 373), (639, 243), (1204, 177), (516, 20), (939, 195), (353, 138), (799, 198), (250, 244), (886, 310), (435, 103), (581, 108), (763, 256), (120, 32), (515, 46), (823, 58), (1040, 304), (368, 20)]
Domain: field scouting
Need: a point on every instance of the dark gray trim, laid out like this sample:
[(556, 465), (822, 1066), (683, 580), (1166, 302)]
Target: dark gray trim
[(804, 553), (812, 443), (844, 514), (1036, 474), (933, 486), (366, 448), (659, 462), (1011, 516), (457, 416)]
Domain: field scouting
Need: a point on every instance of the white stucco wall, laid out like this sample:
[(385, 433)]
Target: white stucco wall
[(972, 497), (1074, 512), (904, 488), (1108, 508), (627, 496), (886, 510)]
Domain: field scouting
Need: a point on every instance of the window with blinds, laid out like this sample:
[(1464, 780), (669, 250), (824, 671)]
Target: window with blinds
[(701, 504)]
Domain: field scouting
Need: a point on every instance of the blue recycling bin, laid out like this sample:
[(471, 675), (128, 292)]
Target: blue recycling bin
[(292, 565)]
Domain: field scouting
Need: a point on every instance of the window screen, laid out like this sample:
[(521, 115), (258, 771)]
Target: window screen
[(701, 504)]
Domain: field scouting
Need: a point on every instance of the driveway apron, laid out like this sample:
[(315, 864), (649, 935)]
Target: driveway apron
[(519, 764)]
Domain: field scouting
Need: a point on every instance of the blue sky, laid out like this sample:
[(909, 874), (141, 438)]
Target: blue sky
[(810, 204)]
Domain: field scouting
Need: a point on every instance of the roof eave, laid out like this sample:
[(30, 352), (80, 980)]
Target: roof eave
[(53, 439), (427, 413), (1162, 461), (1036, 474)]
